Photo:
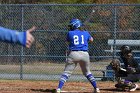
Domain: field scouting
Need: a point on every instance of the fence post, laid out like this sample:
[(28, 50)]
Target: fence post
[(21, 56), (115, 31), (114, 35)]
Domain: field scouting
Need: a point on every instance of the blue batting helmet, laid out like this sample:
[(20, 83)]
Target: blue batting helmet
[(75, 23)]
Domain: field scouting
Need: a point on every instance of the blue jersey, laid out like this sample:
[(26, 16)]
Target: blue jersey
[(12, 36), (78, 40)]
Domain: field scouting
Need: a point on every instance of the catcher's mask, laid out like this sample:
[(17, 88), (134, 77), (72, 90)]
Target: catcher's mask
[(126, 51), (74, 24)]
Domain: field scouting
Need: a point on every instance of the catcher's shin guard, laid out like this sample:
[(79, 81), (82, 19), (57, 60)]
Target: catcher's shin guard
[(124, 85)]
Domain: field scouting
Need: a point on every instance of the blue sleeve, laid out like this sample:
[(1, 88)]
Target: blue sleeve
[(67, 38), (89, 36), (12, 36)]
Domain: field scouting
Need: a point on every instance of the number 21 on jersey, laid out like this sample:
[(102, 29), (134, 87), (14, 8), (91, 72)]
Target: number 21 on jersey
[(78, 40)]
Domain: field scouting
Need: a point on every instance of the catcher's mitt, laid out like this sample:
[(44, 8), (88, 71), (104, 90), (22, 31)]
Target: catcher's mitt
[(115, 64)]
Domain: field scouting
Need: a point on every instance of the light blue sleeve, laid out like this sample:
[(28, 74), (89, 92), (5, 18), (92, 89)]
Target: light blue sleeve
[(12, 36)]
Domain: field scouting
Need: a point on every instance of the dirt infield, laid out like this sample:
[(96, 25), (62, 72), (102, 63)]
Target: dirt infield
[(26, 86)]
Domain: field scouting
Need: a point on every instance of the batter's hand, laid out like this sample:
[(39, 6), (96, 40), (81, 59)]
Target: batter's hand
[(29, 37)]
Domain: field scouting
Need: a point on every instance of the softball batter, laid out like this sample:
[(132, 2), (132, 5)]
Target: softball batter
[(78, 53)]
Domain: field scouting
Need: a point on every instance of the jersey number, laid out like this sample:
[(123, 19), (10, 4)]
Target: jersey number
[(76, 39)]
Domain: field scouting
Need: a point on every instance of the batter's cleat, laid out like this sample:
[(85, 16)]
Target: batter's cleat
[(134, 88), (97, 90), (58, 90)]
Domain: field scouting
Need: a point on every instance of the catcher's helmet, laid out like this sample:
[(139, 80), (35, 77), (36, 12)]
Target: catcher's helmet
[(75, 23), (126, 49)]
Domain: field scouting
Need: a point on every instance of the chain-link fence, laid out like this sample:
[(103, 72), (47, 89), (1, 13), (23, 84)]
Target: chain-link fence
[(46, 58)]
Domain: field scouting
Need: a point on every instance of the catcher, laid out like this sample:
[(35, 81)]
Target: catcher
[(127, 74)]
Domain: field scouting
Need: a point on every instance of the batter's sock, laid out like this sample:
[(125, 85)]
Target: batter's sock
[(62, 80), (92, 80)]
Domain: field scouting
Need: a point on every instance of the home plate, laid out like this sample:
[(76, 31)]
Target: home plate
[(74, 92)]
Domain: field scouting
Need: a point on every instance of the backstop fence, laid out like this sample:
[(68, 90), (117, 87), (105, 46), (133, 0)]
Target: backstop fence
[(46, 58)]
